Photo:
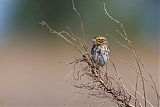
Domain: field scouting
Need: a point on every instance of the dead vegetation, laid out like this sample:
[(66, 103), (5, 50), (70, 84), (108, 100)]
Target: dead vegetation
[(97, 81)]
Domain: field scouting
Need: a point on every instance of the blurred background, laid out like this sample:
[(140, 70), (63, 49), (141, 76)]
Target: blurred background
[(33, 62)]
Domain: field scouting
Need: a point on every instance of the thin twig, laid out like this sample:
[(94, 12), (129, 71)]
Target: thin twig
[(132, 50), (136, 89), (123, 83), (98, 83), (142, 96), (152, 86), (81, 23), (44, 24)]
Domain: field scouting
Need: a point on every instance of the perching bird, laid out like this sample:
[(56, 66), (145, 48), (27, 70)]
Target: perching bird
[(100, 51)]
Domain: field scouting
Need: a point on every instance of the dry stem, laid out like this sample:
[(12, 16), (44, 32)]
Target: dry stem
[(99, 83)]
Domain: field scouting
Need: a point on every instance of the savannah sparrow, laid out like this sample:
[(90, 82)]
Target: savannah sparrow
[(100, 51)]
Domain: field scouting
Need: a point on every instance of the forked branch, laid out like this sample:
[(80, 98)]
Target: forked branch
[(87, 76)]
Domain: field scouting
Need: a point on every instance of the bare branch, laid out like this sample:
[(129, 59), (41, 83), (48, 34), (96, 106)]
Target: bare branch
[(81, 23), (97, 82), (44, 24), (124, 35)]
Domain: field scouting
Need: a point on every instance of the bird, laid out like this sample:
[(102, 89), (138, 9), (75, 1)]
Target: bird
[(100, 51)]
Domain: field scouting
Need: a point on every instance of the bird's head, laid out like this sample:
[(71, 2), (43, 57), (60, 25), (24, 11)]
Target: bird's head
[(99, 40)]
